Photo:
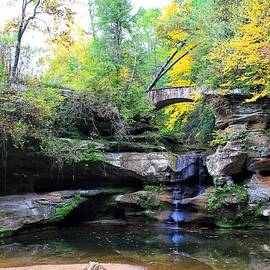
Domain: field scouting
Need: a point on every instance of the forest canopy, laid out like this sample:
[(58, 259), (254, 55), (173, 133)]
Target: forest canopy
[(106, 68)]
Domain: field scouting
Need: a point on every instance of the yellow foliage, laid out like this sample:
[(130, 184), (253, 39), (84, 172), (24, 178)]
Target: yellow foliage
[(69, 55), (181, 110), (258, 95), (245, 59), (171, 28), (176, 111), (179, 75)]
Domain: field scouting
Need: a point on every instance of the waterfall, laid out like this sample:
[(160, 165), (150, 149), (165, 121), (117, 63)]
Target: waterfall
[(202, 174), (190, 178)]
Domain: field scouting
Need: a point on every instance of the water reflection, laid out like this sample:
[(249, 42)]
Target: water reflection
[(177, 238), (152, 247)]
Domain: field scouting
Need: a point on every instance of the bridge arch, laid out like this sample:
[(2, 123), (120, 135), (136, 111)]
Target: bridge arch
[(171, 95)]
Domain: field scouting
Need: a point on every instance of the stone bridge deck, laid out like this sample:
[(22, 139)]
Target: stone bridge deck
[(166, 96)]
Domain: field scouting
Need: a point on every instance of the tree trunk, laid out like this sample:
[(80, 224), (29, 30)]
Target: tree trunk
[(91, 8), (16, 59)]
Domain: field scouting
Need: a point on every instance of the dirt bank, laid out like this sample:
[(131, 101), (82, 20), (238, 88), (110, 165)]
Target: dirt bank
[(76, 267)]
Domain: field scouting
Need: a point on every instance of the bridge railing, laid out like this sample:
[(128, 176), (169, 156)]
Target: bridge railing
[(172, 88)]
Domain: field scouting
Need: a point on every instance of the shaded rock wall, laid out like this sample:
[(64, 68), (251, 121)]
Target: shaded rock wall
[(245, 158)]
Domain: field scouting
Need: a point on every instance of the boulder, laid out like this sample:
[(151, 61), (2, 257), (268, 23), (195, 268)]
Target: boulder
[(144, 205), (227, 161), (94, 266), (148, 166), (258, 188), (19, 211), (143, 199)]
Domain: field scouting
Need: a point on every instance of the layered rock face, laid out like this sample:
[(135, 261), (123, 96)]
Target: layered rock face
[(138, 182), (20, 211), (172, 202), (126, 186), (35, 210), (43, 201), (245, 158), (29, 171)]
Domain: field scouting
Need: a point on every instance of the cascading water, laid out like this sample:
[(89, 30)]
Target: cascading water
[(202, 174), (190, 181)]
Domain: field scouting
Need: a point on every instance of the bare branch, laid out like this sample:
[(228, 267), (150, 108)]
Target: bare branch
[(31, 17), (159, 75), (175, 62)]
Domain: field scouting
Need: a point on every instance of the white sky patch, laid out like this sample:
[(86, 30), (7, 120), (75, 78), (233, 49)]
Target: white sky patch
[(7, 12), (38, 40)]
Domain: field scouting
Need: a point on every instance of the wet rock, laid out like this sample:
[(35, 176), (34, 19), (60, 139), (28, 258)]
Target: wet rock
[(143, 199), (18, 211), (192, 165), (198, 208)]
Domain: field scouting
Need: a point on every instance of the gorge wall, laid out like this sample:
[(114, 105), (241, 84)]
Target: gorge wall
[(133, 181)]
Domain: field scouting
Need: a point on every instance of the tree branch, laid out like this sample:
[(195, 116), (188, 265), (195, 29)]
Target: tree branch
[(175, 62), (33, 16), (159, 75)]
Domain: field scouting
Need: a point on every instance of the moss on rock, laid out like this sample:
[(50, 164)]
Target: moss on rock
[(62, 211), (227, 196), (5, 232), (231, 209), (228, 204)]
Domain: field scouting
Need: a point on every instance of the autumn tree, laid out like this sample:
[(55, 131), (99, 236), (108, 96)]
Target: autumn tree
[(233, 38), (32, 13), (247, 56), (171, 31)]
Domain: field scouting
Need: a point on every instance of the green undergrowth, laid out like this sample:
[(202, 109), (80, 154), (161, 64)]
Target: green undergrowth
[(155, 188), (150, 202), (225, 196), (5, 232), (230, 208), (63, 152)]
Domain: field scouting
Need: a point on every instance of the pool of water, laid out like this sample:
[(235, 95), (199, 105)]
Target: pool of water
[(156, 248)]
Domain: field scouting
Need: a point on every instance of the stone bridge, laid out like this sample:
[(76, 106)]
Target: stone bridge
[(166, 96)]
